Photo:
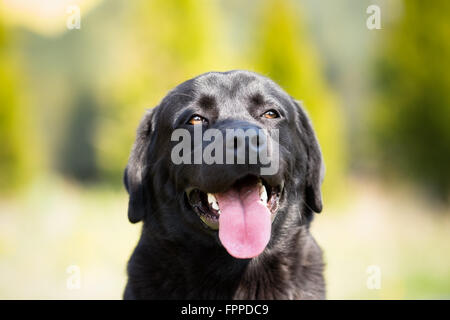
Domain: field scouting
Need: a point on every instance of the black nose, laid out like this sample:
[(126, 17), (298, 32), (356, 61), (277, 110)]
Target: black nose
[(250, 138), (245, 140)]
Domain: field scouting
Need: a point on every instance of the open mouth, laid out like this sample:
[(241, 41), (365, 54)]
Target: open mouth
[(243, 214)]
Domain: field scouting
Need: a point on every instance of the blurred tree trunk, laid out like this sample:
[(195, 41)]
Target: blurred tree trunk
[(78, 156)]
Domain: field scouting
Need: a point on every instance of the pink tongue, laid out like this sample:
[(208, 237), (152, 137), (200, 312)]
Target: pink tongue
[(244, 222)]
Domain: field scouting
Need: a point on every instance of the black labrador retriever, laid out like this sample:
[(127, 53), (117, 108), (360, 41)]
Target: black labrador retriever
[(225, 229)]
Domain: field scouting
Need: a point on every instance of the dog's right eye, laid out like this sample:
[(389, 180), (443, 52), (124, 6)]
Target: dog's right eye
[(196, 119)]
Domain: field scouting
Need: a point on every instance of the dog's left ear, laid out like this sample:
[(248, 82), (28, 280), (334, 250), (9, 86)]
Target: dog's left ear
[(137, 168), (316, 167)]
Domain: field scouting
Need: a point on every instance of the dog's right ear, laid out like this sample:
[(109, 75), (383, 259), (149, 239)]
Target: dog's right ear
[(316, 166), (137, 168)]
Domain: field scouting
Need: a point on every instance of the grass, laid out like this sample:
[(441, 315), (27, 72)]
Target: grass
[(55, 224)]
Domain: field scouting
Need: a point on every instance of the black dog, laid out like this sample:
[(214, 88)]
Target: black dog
[(225, 231)]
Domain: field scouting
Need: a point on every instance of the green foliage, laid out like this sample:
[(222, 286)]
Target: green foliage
[(283, 52), (411, 120), (17, 158)]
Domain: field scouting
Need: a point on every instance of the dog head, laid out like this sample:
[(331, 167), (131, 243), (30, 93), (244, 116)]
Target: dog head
[(226, 159)]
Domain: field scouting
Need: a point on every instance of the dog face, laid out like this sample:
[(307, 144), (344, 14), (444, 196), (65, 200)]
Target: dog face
[(236, 205)]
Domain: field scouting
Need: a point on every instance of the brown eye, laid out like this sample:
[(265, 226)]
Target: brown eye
[(196, 119), (271, 114)]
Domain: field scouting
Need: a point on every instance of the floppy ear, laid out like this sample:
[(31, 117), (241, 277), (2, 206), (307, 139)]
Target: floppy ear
[(137, 168), (316, 167)]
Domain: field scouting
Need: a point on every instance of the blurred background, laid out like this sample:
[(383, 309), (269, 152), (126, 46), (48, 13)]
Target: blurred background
[(71, 100)]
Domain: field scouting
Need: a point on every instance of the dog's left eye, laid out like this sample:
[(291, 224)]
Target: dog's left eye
[(271, 114), (196, 119)]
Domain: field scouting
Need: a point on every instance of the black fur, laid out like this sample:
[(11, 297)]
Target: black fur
[(177, 257)]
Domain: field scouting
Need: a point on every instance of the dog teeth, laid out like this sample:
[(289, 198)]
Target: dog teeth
[(215, 206), (263, 194), (213, 202), (211, 198)]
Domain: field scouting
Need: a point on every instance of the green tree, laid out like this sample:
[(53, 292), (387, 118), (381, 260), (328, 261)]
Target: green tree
[(17, 151), (283, 52), (411, 118)]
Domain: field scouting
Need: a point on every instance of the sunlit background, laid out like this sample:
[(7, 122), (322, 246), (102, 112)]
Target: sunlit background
[(71, 99)]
